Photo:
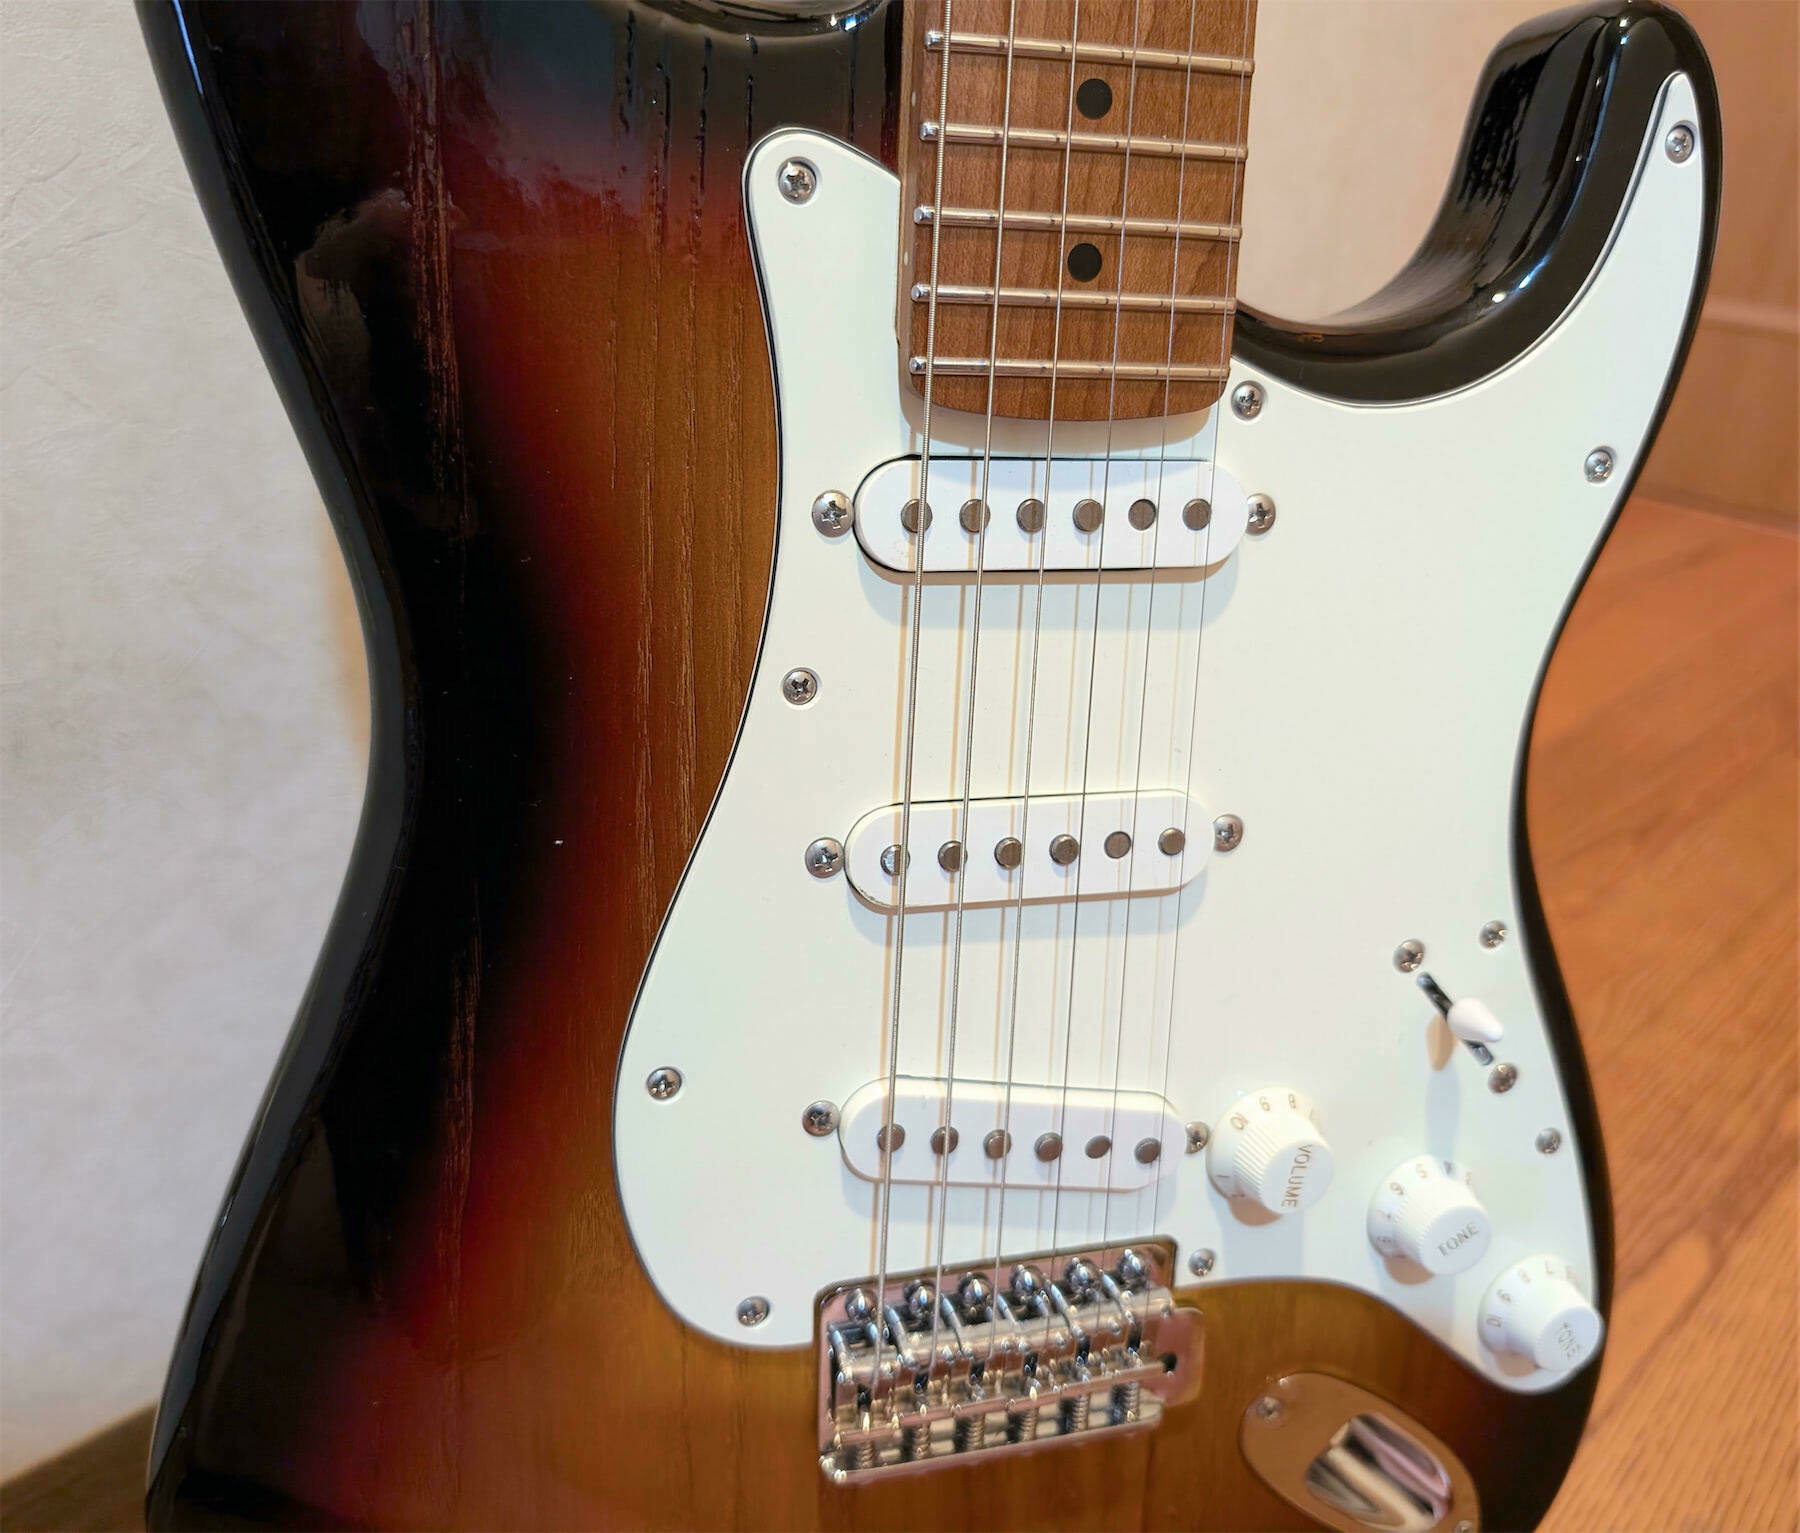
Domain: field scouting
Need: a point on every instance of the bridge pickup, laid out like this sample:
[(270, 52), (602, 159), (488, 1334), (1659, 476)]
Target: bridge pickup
[(1068, 847), (1042, 1138), (1054, 1349), (1115, 514)]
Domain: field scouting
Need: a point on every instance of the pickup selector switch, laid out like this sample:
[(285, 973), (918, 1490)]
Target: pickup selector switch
[(1424, 1211), (1534, 1311), (1268, 1149)]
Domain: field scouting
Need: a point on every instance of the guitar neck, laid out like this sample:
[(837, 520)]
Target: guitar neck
[(1073, 174)]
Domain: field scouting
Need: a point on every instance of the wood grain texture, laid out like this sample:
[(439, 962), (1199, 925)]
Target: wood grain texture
[(1178, 104)]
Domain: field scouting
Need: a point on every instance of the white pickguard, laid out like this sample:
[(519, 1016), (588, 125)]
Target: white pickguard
[(1364, 673)]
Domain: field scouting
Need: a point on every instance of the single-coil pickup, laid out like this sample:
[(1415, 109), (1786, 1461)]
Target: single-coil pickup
[(1066, 847), (989, 1133), (997, 516)]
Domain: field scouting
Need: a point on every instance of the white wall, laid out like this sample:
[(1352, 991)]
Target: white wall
[(182, 704)]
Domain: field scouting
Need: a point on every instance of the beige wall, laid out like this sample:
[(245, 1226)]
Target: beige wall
[(182, 713)]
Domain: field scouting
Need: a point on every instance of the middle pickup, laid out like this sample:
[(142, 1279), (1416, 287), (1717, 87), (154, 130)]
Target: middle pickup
[(1017, 515), (1068, 846)]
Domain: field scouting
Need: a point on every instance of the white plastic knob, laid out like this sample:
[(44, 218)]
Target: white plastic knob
[(1472, 1022), (1268, 1149), (1424, 1210), (1535, 1311)]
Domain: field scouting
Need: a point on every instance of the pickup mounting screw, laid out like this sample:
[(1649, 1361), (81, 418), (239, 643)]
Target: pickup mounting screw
[(798, 180), (1549, 1142), (1678, 144), (1228, 833), (1201, 1262), (1261, 517), (1502, 1078), (800, 686), (819, 1119), (1247, 401), (753, 1311), (831, 513), (1197, 1135), (1409, 955), (824, 857), (1598, 465), (663, 1082), (1064, 849), (1493, 934)]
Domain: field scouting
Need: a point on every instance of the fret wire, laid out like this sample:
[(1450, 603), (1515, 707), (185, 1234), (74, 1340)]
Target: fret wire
[(1093, 53), (1082, 223), (1034, 367), (986, 135), (1045, 297)]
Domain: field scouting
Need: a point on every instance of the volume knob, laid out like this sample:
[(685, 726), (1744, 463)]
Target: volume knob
[(1424, 1210), (1268, 1149), (1535, 1311)]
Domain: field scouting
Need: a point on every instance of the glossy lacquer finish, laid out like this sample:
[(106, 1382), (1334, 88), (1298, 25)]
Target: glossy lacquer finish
[(495, 257)]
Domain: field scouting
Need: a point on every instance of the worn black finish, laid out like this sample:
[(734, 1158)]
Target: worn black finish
[(1547, 161)]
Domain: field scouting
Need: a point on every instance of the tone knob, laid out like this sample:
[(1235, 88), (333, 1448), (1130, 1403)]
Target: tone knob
[(1535, 1311), (1424, 1210), (1268, 1149)]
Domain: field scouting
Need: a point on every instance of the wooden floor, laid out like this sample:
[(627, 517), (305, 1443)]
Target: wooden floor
[(1663, 797)]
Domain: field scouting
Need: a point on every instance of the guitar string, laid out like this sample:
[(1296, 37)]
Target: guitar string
[(1220, 405), (916, 617), (1037, 631), (1162, 462), (1087, 748), (960, 832)]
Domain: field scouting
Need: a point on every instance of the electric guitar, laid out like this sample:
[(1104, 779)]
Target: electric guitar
[(943, 933)]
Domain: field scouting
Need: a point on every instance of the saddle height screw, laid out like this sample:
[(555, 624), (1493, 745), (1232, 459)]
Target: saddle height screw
[(1409, 955), (1201, 1262), (800, 686), (1493, 934), (1228, 833), (819, 1119), (1247, 401), (1549, 1142), (753, 1311), (1197, 1135), (831, 513), (1598, 465), (798, 180), (1679, 143), (824, 857), (1502, 1078), (1261, 517), (663, 1082)]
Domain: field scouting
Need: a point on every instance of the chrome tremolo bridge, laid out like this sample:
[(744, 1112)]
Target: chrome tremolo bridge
[(910, 1377)]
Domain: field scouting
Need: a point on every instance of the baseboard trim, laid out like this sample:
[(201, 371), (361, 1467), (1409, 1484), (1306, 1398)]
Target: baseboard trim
[(97, 1486)]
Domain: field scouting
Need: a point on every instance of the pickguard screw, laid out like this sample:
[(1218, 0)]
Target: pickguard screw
[(1247, 401), (798, 180), (1201, 1262), (1009, 852), (1598, 465), (1197, 1135), (1678, 144), (1172, 841), (1268, 1408), (1118, 844), (831, 513), (819, 1119), (1228, 832), (753, 1311), (1409, 955), (1549, 1142), (1064, 849), (800, 686), (1048, 1146), (1502, 1078), (1493, 934), (824, 857), (663, 1083), (1261, 517)]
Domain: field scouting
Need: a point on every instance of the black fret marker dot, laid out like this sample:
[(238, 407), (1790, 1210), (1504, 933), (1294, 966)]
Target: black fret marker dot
[(1094, 97), (1084, 262)]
